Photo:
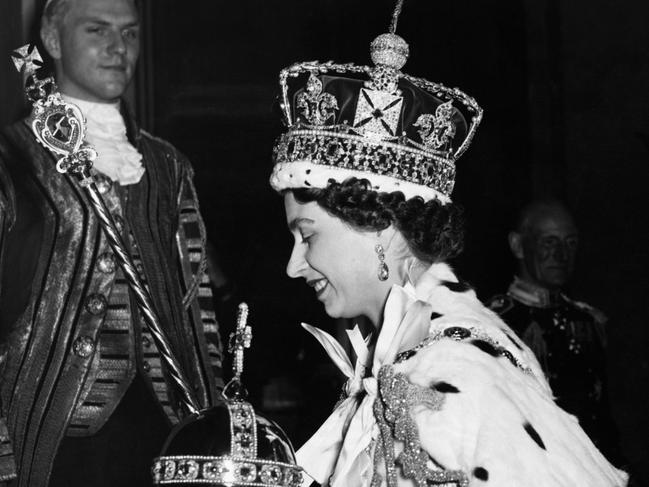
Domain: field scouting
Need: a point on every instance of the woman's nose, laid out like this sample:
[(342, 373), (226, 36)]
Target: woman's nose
[(296, 263)]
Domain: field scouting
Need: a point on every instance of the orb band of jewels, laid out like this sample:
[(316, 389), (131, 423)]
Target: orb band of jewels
[(243, 430), (225, 470)]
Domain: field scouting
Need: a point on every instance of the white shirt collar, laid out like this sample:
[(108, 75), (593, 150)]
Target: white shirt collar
[(106, 132)]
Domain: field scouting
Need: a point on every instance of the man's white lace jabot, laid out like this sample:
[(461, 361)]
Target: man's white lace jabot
[(106, 132)]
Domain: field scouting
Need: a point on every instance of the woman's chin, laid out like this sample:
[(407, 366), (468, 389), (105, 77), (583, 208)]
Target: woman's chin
[(333, 311), (337, 313)]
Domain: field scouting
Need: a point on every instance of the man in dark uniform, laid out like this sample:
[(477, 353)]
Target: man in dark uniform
[(567, 336), (84, 397)]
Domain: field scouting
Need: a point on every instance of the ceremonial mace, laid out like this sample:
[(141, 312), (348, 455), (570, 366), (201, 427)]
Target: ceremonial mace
[(228, 444), (60, 127)]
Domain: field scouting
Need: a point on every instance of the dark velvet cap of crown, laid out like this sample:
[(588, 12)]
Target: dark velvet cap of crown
[(347, 91)]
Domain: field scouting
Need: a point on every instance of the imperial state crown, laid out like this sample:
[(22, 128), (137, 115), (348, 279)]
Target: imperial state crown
[(400, 132)]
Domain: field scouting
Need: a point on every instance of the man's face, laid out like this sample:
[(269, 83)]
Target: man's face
[(95, 48), (549, 246)]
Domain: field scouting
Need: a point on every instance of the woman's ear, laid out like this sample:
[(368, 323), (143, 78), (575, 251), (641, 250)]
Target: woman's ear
[(397, 251), (386, 237)]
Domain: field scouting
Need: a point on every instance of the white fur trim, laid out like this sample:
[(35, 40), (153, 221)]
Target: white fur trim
[(305, 174)]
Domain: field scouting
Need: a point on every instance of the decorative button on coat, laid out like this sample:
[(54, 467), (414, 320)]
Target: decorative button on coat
[(119, 222), (96, 304), (104, 183), (106, 263), (83, 346)]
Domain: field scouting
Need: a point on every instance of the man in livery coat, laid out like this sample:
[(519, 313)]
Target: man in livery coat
[(83, 396), (567, 336)]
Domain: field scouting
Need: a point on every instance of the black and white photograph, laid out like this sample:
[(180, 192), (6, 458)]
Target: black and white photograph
[(324, 243)]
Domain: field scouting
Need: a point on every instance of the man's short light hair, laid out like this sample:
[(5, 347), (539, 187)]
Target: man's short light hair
[(542, 206), (54, 12)]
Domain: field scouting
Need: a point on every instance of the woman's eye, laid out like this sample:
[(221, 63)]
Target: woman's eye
[(306, 238)]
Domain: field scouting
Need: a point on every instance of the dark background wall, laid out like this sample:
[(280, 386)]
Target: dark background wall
[(564, 88), (605, 74), (11, 36)]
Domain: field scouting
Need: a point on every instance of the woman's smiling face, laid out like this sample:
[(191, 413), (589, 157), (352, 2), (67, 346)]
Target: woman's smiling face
[(339, 262)]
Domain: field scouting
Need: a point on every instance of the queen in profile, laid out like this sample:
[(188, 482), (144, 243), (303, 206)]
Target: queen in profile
[(442, 392)]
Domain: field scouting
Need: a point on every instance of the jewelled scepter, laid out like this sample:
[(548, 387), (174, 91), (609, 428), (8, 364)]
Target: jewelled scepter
[(60, 127)]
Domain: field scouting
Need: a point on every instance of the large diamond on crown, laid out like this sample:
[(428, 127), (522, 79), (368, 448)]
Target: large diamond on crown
[(377, 113)]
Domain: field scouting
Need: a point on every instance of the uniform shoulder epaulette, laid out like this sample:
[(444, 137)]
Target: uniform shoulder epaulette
[(599, 318), (598, 315), (500, 303)]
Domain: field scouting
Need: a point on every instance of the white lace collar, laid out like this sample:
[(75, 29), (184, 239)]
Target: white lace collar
[(106, 132)]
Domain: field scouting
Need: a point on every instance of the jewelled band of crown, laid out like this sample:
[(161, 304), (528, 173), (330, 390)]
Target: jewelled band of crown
[(352, 155), (224, 470)]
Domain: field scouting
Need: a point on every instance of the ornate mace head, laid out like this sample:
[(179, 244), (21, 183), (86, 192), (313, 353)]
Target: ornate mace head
[(58, 126)]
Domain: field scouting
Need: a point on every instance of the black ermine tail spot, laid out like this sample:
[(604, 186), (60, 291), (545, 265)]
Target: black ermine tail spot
[(481, 474), (534, 435), (434, 315), (445, 387), (486, 347), (456, 287)]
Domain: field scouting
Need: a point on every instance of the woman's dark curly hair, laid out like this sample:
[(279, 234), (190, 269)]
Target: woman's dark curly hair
[(434, 231)]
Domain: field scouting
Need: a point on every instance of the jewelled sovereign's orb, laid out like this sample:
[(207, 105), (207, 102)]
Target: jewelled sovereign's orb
[(389, 50), (228, 445)]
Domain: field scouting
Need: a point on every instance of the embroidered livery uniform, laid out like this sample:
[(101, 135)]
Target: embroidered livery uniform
[(568, 339), (74, 348)]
